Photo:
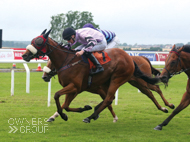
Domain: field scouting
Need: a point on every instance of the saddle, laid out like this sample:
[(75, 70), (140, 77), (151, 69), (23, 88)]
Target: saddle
[(101, 56)]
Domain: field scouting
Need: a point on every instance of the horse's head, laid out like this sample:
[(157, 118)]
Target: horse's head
[(49, 71), (173, 64), (37, 47)]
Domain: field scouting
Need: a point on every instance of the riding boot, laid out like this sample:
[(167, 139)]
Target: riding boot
[(99, 67)]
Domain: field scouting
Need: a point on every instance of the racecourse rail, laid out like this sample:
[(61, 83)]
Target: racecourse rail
[(9, 56)]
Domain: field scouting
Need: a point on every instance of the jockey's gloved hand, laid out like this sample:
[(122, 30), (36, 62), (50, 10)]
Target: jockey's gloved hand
[(68, 45), (60, 43)]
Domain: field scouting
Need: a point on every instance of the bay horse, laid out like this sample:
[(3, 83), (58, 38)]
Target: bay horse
[(49, 72), (73, 73), (178, 61)]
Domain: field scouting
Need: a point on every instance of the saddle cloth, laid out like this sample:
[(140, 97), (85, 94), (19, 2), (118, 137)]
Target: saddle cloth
[(101, 56)]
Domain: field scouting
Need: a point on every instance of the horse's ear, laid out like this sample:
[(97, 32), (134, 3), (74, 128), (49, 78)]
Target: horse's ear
[(47, 34), (180, 49), (173, 47), (44, 32)]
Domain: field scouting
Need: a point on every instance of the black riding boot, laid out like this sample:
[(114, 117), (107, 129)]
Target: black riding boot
[(99, 67)]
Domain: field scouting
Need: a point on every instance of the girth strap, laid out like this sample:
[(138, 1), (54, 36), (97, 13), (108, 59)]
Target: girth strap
[(68, 66)]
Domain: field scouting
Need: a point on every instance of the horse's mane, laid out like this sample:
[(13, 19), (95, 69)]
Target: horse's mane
[(176, 48), (62, 46), (186, 48)]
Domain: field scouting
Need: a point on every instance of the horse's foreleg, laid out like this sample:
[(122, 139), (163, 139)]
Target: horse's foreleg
[(68, 100), (65, 105), (183, 104), (52, 118), (69, 89)]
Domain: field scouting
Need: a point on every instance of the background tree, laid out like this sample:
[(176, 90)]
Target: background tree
[(124, 44), (188, 43), (74, 19), (179, 44)]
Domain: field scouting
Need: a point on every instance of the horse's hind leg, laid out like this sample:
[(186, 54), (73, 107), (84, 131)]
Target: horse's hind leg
[(102, 94), (143, 87), (114, 85), (147, 92), (157, 89)]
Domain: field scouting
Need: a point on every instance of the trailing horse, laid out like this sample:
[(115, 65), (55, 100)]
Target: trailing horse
[(178, 61), (74, 79)]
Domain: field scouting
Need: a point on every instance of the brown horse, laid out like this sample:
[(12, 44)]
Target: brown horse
[(144, 65), (50, 71), (177, 61), (73, 73)]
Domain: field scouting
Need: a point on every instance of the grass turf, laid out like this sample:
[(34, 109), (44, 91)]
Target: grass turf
[(136, 112)]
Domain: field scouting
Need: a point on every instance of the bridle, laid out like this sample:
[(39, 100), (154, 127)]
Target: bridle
[(178, 61), (50, 50), (62, 50), (40, 46)]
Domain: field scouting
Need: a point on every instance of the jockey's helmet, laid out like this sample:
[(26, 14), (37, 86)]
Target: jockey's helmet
[(88, 25), (67, 33)]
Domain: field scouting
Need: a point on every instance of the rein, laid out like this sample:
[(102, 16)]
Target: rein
[(68, 52), (55, 47)]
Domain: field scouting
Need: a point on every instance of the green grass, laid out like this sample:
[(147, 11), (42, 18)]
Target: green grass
[(20, 65), (136, 112)]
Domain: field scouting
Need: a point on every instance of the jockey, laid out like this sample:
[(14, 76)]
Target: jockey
[(111, 38), (91, 40)]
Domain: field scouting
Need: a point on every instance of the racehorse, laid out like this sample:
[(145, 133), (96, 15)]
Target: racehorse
[(178, 61), (50, 71), (73, 73), (144, 65)]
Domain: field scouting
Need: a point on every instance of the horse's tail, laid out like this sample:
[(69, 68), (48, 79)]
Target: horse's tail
[(138, 73), (154, 71)]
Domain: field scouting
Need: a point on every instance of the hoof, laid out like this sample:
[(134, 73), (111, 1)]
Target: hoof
[(87, 107), (115, 119), (165, 110), (97, 117), (50, 119), (159, 128), (173, 106), (64, 117), (86, 120)]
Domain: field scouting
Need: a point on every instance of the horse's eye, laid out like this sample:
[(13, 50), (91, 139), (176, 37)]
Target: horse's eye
[(39, 41), (173, 63)]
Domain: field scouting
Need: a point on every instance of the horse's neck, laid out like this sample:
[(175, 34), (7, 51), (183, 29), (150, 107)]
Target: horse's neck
[(185, 62), (60, 57)]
